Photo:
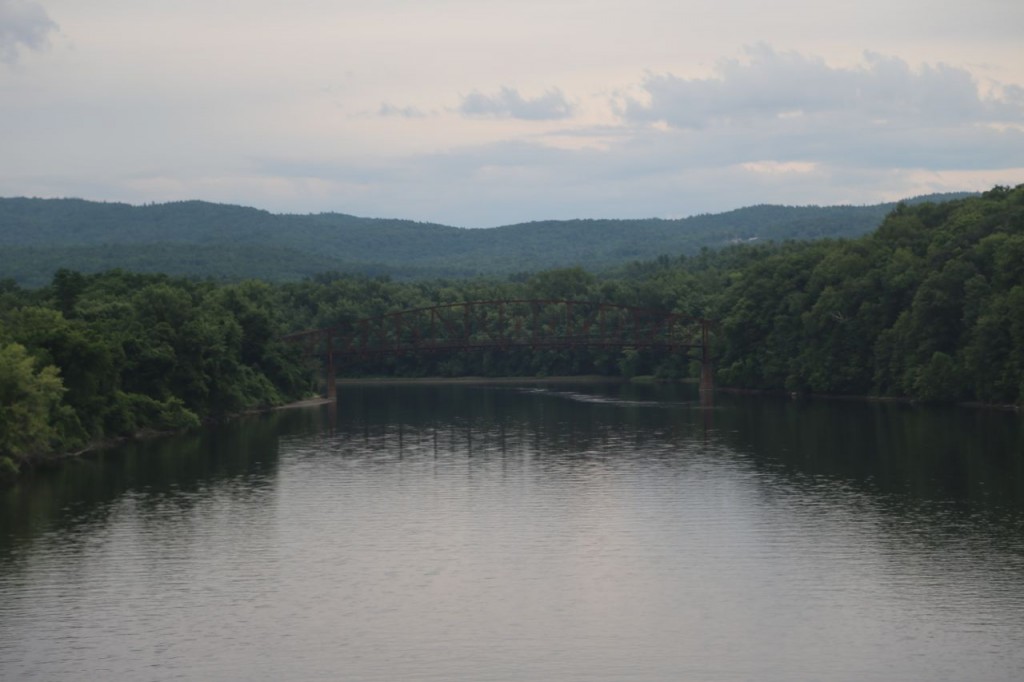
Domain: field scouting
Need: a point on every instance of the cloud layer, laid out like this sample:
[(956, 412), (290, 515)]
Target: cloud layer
[(583, 108), (24, 24)]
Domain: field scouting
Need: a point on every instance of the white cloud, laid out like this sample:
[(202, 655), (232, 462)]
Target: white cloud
[(771, 85), (508, 103), (779, 167), (401, 112), (23, 24)]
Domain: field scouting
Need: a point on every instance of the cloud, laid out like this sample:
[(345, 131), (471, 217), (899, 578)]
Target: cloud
[(23, 24), (508, 103), (770, 85), (388, 110)]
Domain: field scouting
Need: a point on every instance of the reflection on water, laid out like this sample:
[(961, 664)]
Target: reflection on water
[(574, 532)]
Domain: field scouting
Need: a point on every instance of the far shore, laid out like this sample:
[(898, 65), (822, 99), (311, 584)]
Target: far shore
[(465, 381), (586, 379), (598, 379)]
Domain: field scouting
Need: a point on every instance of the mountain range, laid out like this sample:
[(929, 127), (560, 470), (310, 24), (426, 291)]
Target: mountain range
[(201, 239)]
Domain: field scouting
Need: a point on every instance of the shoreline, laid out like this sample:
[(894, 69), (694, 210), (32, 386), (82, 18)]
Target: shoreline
[(598, 379), (838, 397), (58, 458), (438, 381), (398, 381)]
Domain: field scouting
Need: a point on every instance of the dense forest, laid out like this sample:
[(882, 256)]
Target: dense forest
[(929, 306), (230, 243)]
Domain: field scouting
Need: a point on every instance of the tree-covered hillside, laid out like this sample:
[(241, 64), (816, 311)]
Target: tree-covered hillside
[(930, 306), (199, 239)]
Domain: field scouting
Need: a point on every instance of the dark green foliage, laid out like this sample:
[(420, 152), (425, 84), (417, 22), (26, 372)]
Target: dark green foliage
[(930, 306), (97, 356)]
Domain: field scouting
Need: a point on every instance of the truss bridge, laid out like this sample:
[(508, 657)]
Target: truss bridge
[(507, 324)]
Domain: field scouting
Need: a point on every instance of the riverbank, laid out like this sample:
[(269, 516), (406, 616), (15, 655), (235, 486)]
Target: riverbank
[(645, 379), (400, 381), (864, 398), (11, 470)]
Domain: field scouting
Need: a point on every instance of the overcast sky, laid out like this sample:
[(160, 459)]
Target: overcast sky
[(486, 112)]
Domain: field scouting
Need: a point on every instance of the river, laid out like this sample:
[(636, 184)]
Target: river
[(548, 532)]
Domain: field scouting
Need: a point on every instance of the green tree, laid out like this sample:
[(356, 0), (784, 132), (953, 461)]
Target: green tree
[(30, 406), (938, 380)]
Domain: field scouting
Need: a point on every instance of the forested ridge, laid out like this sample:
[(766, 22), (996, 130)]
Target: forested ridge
[(200, 239), (929, 306)]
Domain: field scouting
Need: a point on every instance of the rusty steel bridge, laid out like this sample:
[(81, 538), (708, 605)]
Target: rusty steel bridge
[(507, 324)]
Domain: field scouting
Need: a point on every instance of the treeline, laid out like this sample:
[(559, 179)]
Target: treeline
[(930, 306)]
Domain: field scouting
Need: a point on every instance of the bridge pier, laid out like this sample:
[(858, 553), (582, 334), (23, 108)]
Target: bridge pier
[(332, 380), (332, 385), (707, 385), (707, 372), (707, 377)]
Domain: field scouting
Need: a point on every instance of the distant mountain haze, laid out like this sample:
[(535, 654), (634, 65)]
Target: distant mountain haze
[(201, 239)]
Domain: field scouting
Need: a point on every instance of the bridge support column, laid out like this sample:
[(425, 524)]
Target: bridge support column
[(332, 385), (707, 377), (707, 372), (707, 384), (332, 381)]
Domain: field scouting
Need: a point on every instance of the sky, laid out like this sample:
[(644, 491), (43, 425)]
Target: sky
[(479, 113)]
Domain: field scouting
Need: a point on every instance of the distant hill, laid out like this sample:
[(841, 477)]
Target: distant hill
[(195, 238)]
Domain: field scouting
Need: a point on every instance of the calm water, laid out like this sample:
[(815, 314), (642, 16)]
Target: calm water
[(517, 533)]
